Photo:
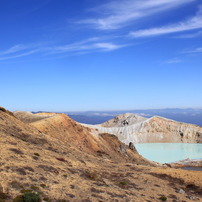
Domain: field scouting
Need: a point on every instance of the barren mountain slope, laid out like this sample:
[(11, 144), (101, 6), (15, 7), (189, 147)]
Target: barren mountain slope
[(61, 127), (31, 160), (155, 129), (28, 117)]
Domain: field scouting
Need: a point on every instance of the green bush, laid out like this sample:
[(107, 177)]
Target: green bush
[(3, 196), (31, 197), (163, 198), (28, 197), (18, 199), (123, 183)]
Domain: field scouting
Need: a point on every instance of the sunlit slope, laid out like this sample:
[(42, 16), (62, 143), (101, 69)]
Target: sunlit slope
[(62, 160), (155, 129)]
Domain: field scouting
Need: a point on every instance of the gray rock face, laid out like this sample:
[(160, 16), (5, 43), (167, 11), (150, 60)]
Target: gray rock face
[(153, 130), (123, 120), (180, 191), (191, 197), (122, 149), (132, 147), (199, 136)]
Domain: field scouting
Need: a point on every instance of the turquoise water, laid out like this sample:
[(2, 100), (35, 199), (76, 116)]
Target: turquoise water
[(169, 152)]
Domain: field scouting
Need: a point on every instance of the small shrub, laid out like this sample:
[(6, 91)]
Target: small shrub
[(31, 197), (29, 168), (43, 178), (21, 171), (3, 196), (47, 168), (80, 129), (163, 198), (36, 154), (42, 185), (28, 196), (46, 199), (34, 188), (35, 158), (92, 175), (18, 199), (25, 190), (123, 183), (17, 151), (16, 185), (61, 159)]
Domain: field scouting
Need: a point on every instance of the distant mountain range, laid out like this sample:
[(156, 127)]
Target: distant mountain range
[(189, 115)]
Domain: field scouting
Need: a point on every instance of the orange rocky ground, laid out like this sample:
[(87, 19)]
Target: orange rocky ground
[(63, 161)]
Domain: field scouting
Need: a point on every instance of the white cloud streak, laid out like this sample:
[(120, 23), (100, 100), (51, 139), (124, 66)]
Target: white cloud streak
[(196, 50), (173, 61), (191, 35), (81, 47), (20, 50), (90, 45), (190, 24), (19, 55), (14, 49), (87, 46), (118, 14)]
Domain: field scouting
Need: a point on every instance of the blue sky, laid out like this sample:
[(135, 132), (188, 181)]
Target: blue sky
[(100, 54)]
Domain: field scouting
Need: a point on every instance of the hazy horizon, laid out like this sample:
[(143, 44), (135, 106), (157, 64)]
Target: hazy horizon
[(112, 110), (189, 115)]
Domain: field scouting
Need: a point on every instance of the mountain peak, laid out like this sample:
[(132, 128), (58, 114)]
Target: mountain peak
[(123, 120)]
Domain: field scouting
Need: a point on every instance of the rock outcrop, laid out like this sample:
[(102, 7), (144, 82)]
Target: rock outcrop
[(153, 130), (123, 120), (132, 147)]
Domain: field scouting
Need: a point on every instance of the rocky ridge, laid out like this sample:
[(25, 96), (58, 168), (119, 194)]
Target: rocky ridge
[(123, 120), (153, 130)]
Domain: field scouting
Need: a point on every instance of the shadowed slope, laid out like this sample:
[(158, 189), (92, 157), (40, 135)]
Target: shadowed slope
[(60, 126)]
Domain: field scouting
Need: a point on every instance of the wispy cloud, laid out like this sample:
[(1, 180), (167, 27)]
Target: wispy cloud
[(173, 61), (108, 46), (196, 50), (120, 13), (191, 35), (81, 47), (13, 49), (20, 50), (19, 55), (190, 24), (87, 46)]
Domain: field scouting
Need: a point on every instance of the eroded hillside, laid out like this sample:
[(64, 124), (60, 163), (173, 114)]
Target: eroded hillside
[(155, 129)]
